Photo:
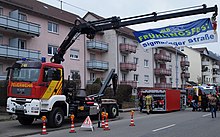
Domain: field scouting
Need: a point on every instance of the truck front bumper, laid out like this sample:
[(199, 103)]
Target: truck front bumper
[(20, 106)]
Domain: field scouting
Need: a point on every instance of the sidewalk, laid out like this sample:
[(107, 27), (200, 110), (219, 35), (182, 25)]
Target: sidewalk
[(3, 115)]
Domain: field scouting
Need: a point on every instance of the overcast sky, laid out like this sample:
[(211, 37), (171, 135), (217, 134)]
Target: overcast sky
[(129, 8)]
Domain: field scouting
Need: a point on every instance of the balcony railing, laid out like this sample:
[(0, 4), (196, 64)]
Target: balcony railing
[(128, 66), (163, 85), (162, 57), (184, 63), (11, 52), (133, 84), (205, 63), (206, 73), (162, 71), (97, 46), (185, 75), (215, 66), (32, 29), (97, 65), (127, 48)]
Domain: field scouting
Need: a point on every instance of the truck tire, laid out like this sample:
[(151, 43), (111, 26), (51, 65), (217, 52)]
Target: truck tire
[(25, 120), (56, 117), (113, 111)]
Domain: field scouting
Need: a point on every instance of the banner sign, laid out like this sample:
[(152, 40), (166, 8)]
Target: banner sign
[(192, 33)]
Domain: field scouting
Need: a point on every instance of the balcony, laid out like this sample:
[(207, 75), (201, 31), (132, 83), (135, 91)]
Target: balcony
[(162, 57), (215, 66), (206, 73), (185, 75), (11, 52), (126, 66), (97, 65), (215, 75), (97, 46), (163, 85), (127, 48), (162, 72), (184, 63), (133, 84), (205, 63), (28, 28)]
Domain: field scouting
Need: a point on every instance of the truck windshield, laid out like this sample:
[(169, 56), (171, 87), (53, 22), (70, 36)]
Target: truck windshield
[(25, 74)]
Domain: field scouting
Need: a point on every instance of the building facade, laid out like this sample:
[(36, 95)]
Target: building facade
[(32, 29)]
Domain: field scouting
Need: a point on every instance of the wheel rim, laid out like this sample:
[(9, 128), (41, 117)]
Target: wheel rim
[(58, 118)]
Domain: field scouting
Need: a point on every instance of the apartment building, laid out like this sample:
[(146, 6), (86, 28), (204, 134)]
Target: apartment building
[(156, 67), (204, 68), (31, 29), (112, 49), (210, 67)]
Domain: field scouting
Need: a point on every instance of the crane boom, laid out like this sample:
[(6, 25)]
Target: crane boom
[(90, 28)]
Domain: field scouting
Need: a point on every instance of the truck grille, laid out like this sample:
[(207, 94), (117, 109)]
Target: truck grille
[(21, 91)]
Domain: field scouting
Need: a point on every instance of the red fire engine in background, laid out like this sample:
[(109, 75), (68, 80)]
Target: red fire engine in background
[(163, 99)]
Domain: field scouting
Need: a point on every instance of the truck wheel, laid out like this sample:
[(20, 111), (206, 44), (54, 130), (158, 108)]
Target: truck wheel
[(25, 120), (113, 111), (56, 117)]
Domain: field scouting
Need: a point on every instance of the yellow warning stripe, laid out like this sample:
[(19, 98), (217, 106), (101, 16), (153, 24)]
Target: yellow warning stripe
[(50, 89)]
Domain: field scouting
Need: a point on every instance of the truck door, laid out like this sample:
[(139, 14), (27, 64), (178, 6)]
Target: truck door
[(52, 79)]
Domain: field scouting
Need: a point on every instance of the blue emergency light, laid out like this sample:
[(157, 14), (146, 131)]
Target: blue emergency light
[(43, 59)]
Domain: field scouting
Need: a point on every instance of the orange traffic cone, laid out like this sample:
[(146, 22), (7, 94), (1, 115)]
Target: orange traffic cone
[(103, 119), (72, 129), (132, 118), (44, 130), (106, 122)]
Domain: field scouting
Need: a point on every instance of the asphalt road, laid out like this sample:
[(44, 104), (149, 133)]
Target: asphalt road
[(174, 124)]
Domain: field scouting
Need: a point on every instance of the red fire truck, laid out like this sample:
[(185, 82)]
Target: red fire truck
[(164, 99)]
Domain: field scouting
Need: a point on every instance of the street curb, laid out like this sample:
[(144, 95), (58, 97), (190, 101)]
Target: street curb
[(128, 109)]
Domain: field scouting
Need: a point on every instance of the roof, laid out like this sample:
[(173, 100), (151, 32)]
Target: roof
[(42, 9), (123, 30), (201, 50), (210, 53)]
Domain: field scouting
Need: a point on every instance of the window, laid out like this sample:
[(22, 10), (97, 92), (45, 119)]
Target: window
[(146, 78), (135, 60), (135, 77), (123, 58), (51, 74), (171, 80), (75, 74), (1, 39), (123, 77), (52, 27), (92, 56), (22, 16), (92, 77), (1, 69), (170, 67), (1, 11), (52, 50), (74, 54), (124, 40), (21, 44), (146, 63)]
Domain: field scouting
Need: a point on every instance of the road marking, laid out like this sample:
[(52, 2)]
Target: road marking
[(206, 115), (163, 127)]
